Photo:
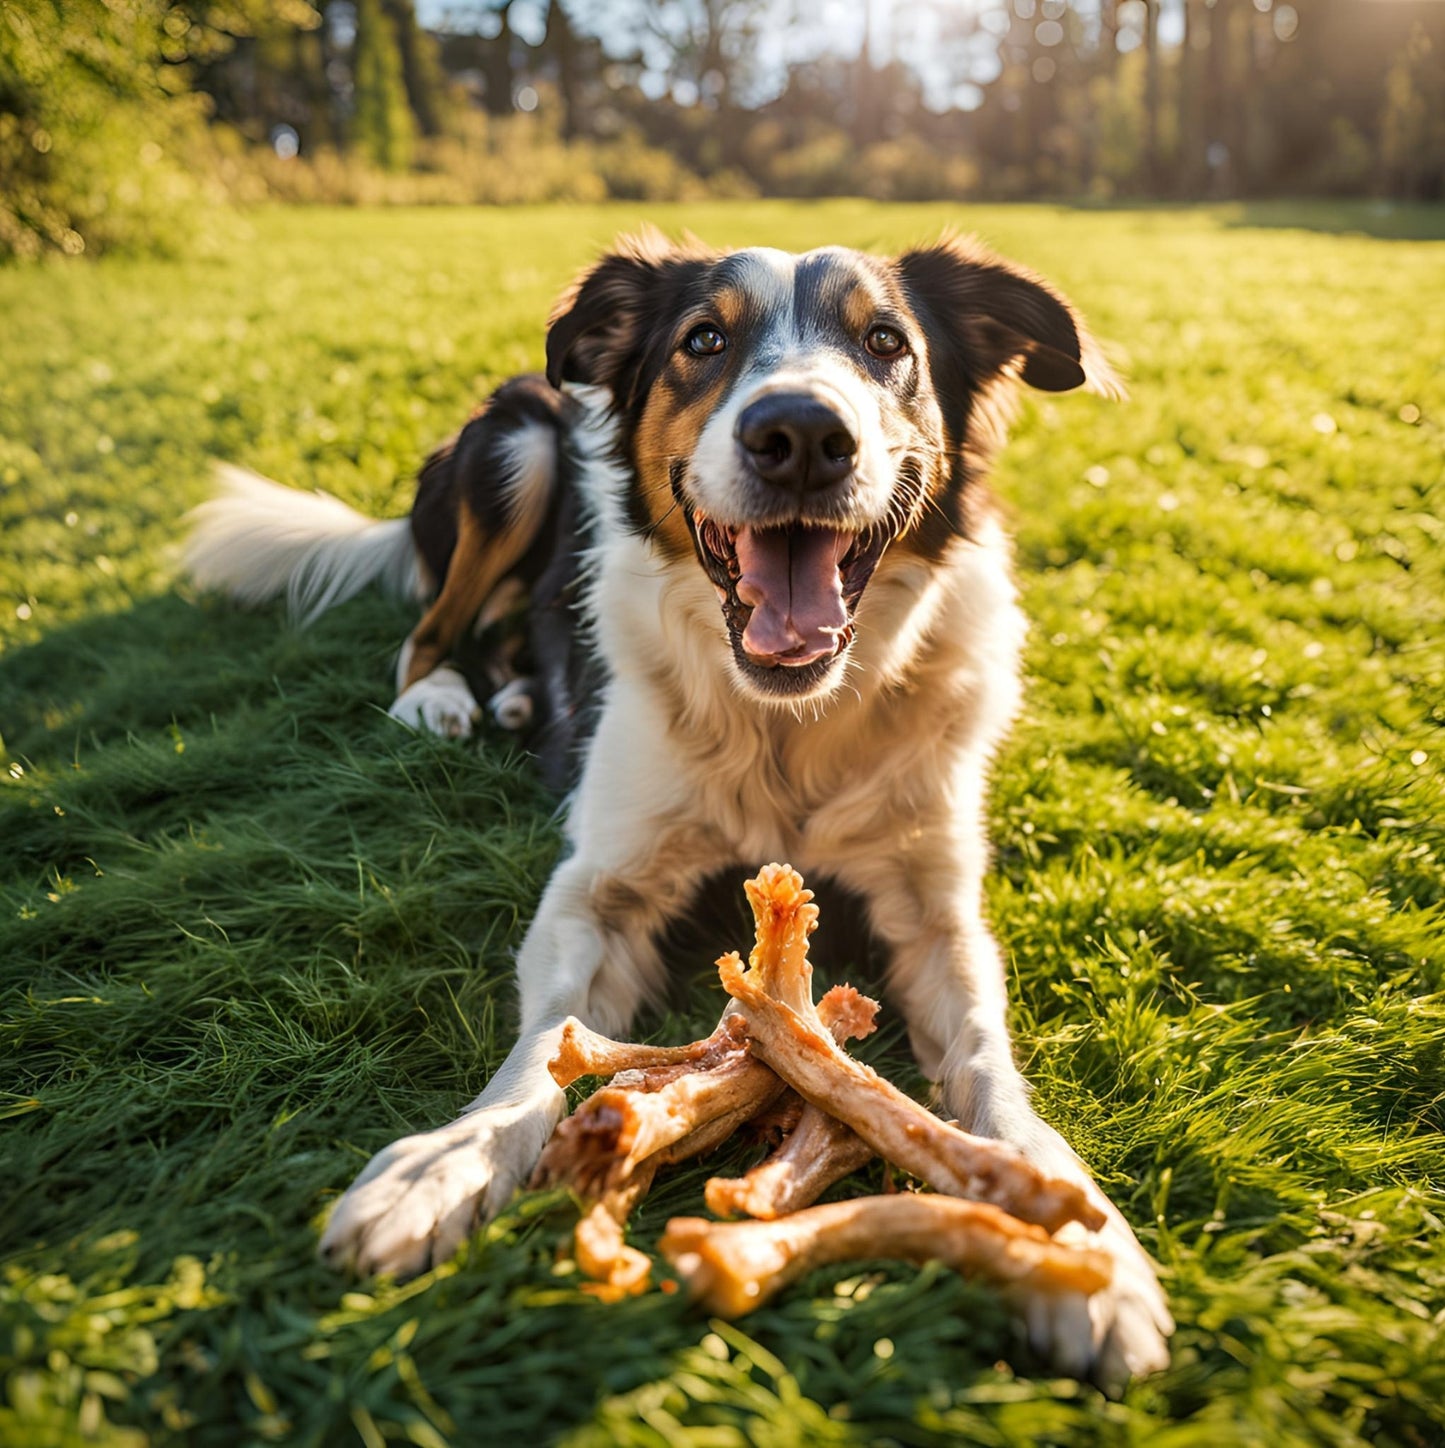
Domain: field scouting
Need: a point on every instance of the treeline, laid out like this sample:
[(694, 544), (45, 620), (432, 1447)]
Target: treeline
[(117, 114)]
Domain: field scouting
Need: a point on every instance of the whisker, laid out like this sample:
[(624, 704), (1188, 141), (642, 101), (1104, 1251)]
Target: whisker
[(649, 531)]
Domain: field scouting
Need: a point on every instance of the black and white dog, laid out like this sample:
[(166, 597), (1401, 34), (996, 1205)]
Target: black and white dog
[(747, 503)]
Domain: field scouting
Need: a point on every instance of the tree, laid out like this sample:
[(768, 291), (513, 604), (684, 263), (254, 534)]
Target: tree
[(1412, 127), (420, 67), (382, 129), (1189, 151), (1151, 96), (1221, 140), (559, 45), (95, 121), (706, 45)]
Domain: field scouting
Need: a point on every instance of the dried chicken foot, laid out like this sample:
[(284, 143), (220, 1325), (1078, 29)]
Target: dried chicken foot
[(582, 1052), (602, 1253), (644, 1111), (731, 1268), (598, 1147), (819, 1151), (786, 1032), (598, 1244)]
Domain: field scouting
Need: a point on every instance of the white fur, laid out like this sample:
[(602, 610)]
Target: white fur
[(529, 464), (788, 359), (880, 786), (713, 476), (441, 704), (256, 540), (511, 705)]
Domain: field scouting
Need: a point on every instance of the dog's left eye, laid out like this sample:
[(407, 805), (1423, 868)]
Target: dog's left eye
[(705, 341), (886, 342)]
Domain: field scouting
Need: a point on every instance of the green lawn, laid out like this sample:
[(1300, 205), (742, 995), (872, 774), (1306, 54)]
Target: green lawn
[(251, 930)]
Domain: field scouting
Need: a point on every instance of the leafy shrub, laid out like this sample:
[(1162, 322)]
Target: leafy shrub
[(632, 170), (90, 135), (820, 166), (516, 161), (908, 169)]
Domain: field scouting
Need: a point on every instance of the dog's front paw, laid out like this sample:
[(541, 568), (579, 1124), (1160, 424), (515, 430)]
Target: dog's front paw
[(1119, 1333), (441, 704), (422, 1197)]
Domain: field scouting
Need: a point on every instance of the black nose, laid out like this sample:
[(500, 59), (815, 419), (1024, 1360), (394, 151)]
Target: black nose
[(796, 441)]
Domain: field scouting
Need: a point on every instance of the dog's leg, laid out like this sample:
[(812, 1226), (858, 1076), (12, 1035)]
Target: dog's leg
[(950, 983), (590, 953), (418, 1200), (430, 695), (440, 703), (952, 987)]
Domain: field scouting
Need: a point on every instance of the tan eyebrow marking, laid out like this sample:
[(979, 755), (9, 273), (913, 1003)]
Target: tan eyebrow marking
[(860, 309), (730, 304)]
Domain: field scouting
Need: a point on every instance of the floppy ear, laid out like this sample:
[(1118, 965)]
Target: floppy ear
[(993, 315), (601, 325)]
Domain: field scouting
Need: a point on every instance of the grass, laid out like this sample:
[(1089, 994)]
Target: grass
[(250, 930)]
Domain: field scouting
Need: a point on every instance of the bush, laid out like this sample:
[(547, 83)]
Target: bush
[(516, 161), (90, 135), (632, 170), (909, 169)]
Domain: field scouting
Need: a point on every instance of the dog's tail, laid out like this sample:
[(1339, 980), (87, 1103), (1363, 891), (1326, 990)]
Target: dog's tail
[(256, 540)]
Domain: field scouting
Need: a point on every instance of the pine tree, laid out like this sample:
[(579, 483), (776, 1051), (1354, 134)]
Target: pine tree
[(382, 127), (426, 88)]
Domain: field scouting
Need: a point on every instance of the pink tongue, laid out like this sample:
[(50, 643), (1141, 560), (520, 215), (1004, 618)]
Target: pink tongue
[(790, 579)]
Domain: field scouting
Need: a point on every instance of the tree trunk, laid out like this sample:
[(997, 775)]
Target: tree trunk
[(419, 66), (561, 43), (497, 69), (1220, 138), (1189, 144), (1109, 34), (1151, 97)]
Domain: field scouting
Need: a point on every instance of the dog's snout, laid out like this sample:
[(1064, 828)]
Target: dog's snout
[(796, 441)]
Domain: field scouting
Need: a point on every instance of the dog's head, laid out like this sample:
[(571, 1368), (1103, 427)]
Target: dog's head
[(789, 418)]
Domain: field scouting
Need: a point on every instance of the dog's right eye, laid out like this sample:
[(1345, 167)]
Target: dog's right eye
[(705, 341)]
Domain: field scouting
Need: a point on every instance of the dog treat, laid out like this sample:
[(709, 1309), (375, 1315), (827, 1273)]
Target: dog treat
[(602, 1254), (601, 1144), (786, 1032), (733, 1267), (582, 1052), (816, 1153), (664, 1105), (776, 1058), (653, 1108)]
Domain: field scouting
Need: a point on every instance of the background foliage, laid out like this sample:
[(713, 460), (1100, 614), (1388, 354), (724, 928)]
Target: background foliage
[(88, 130), (119, 119), (250, 929)]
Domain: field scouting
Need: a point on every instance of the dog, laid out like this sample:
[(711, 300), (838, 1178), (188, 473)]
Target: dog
[(771, 616)]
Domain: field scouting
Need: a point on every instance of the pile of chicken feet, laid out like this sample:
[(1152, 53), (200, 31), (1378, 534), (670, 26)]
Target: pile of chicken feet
[(776, 1058)]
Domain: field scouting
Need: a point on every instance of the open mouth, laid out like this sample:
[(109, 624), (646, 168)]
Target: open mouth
[(788, 593)]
